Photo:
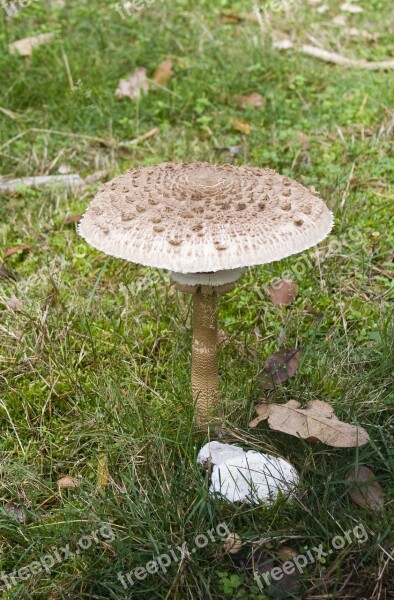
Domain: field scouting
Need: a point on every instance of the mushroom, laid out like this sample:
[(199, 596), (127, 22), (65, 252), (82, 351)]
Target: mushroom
[(252, 477), (246, 476), (204, 223)]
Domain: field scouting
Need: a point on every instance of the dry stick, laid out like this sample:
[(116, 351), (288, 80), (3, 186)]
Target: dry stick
[(73, 180), (91, 138), (335, 58), (205, 377), (55, 132), (140, 138)]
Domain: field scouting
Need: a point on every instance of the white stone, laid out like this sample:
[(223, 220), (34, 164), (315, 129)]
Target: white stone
[(252, 477)]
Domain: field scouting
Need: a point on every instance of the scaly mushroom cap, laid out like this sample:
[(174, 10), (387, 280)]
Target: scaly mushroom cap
[(192, 218)]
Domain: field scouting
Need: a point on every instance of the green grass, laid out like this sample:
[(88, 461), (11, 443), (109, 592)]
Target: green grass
[(97, 358)]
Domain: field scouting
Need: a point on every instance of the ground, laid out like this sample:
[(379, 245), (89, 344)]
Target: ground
[(95, 352)]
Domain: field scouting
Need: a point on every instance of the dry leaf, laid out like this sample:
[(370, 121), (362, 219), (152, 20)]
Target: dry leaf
[(26, 46), (15, 511), (68, 482), (284, 292), (64, 169), (279, 367), (287, 553), (234, 150), (102, 472), (9, 113), (366, 491), (351, 8), (362, 33), (286, 586), (315, 422), (15, 249), (96, 176), (6, 273), (72, 219), (340, 20), (254, 99), (241, 125), (14, 303), (303, 139), (163, 72), (233, 544), (230, 17), (222, 336), (134, 85)]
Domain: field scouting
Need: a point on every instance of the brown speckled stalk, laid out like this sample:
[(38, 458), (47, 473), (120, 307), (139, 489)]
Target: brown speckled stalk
[(205, 377)]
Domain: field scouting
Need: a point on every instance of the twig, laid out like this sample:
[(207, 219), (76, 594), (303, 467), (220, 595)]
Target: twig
[(91, 138), (71, 181), (334, 57), (139, 139)]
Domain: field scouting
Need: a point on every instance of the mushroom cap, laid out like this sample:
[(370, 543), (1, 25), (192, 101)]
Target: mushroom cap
[(192, 218), (252, 477), (217, 453)]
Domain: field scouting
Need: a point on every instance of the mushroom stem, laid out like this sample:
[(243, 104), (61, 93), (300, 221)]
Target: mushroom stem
[(205, 377)]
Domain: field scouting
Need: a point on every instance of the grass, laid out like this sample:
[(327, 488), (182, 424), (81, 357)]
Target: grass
[(96, 359)]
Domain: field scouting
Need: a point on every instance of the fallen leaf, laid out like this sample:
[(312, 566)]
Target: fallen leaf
[(222, 336), (102, 472), (232, 544), (234, 150), (285, 587), (316, 422), (14, 303), (351, 8), (362, 33), (241, 125), (279, 367), (96, 176), (64, 169), (26, 46), (230, 17), (72, 219), (68, 482), (9, 113), (366, 491), (257, 332), (287, 553), (340, 20), (303, 139), (6, 273), (134, 85), (15, 511), (284, 44), (254, 99), (283, 292), (163, 72), (15, 249), (389, 258)]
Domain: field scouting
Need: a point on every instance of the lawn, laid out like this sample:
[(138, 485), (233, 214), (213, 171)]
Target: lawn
[(95, 351)]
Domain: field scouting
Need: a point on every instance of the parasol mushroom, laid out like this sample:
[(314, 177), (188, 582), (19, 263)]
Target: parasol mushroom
[(204, 223)]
